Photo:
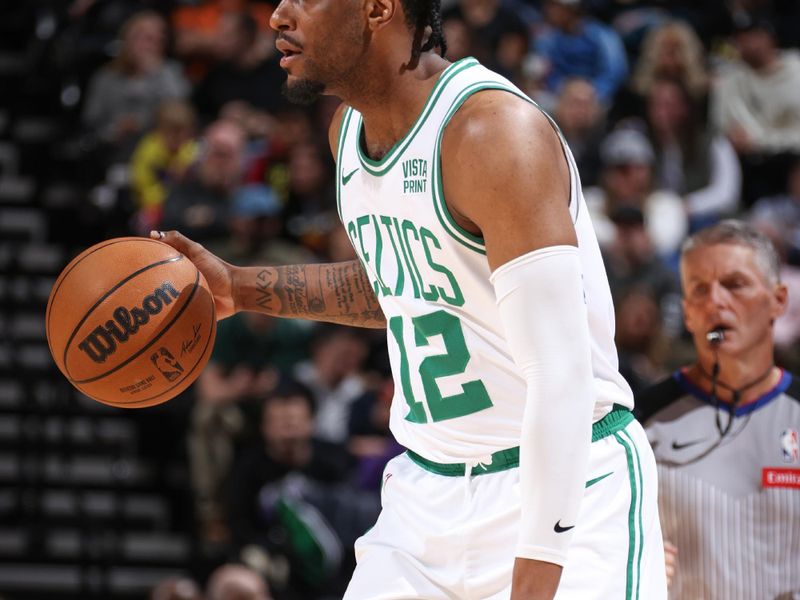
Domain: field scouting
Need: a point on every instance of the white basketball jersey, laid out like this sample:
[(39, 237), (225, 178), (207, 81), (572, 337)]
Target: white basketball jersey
[(459, 397)]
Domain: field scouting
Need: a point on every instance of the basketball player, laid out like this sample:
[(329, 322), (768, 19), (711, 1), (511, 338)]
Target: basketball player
[(475, 250), (725, 429)]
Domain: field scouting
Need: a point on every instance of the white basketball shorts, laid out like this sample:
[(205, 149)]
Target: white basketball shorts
[(445, 535)]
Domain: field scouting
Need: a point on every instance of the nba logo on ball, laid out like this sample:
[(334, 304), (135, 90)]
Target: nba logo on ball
[(166, 363), (790, 446)]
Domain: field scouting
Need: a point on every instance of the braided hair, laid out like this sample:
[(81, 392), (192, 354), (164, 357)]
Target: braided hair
[(421, 14)]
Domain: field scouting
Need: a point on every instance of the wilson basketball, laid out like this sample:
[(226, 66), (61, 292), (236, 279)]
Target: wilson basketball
[(131, 322)]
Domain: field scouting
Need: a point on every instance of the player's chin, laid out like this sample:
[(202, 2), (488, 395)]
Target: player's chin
[(302, 91)]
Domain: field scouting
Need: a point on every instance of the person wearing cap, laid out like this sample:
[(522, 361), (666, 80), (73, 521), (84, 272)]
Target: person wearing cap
[(756, 102), (626, 179), (575, 45), (725, 428)]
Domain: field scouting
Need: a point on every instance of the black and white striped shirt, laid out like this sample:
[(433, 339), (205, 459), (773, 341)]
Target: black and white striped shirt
[(730, 504)]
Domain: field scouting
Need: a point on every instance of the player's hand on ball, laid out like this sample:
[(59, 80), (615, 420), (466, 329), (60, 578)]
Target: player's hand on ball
[(217, 272)]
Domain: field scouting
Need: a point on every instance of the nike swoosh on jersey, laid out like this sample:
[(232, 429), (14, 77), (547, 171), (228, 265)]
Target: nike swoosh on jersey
[(559, 529), (596, 479), (346, 178), (680, 446)]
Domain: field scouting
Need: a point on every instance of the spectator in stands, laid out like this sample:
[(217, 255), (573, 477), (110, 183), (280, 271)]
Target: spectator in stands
[(267, 478), (176, 588), (255, 225), (236, 582), (458, 36), (497, 36), (199, 31), (200, 205), (639, 340), (779, 216), (370, 440), (691, 159), (161, 160), (725, 428), (756, 104), (334, 376), (292, 127), (249, 352), (581, 119), (626, 179), (672, 51), (90, 32), (575, 45), (633, 265), (123, 96), (310, 212), (246, 72)]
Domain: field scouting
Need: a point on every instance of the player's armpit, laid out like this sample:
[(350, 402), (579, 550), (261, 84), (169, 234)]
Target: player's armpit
[(505, 176), (334, 292)]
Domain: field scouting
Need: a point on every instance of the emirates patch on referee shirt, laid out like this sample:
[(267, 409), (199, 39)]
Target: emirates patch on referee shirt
[(780, 478)]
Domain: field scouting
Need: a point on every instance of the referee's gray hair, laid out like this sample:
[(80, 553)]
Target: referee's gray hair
[(733, 231)]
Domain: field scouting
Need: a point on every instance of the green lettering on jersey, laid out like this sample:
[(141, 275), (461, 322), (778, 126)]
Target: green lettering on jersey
[(398, 288), (453, 361), (406, 253), (431, 295), (473, 396), (457, 298), (361, 221), (415, 173), (384, 289), (416, 412)]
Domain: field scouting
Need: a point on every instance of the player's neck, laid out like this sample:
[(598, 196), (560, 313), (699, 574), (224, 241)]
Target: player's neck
[(392, 103), (750, 378)]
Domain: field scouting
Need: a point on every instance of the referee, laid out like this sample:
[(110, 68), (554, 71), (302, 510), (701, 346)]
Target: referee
[(725, 429)]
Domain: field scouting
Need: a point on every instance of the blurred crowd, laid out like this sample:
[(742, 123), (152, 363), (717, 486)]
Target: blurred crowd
[(679, 114)]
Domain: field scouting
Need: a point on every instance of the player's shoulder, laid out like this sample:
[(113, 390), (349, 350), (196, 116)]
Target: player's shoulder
[(497, 114), (657, 397), (500, 136)]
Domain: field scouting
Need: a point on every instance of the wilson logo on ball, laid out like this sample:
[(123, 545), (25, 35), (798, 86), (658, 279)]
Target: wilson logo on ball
[(103, 340)]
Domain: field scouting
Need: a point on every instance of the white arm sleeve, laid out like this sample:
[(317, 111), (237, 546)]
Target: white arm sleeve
[(721, 195), (542, 306)]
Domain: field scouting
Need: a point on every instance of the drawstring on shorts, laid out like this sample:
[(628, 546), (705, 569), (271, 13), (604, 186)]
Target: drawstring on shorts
[(469, 466)]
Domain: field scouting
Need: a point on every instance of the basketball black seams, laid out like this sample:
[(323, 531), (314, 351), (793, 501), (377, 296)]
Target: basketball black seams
[(69, 269), (106, 295)]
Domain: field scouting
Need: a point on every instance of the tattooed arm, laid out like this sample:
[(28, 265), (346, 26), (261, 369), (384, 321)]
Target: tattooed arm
[(336, 292)]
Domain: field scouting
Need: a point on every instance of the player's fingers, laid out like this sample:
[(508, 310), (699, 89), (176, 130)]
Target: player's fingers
[(670, 548), (178, 241)]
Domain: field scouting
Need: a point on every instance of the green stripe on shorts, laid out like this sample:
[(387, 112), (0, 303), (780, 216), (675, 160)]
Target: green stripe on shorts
[(634, 532), (641, 503)]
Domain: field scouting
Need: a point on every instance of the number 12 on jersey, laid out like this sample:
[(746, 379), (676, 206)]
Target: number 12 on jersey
[(473, 397)]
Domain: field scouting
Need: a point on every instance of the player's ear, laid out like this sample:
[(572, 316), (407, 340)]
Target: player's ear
[(381, 12)]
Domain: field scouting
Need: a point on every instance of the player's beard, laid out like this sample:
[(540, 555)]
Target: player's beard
[(303, 92)]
